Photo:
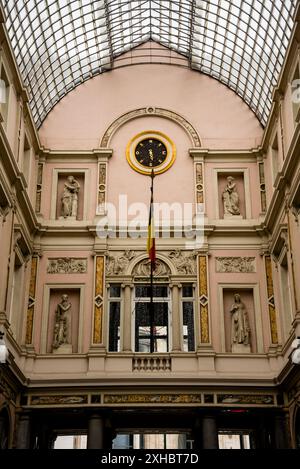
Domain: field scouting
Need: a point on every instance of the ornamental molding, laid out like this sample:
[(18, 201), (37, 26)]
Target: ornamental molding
[(235, 264), (151, 111), (280, 242), (184, 261), (152, 398), (67, 265), (58, 400), (128, 262), (117, 262), (246, 399), (142, 269)]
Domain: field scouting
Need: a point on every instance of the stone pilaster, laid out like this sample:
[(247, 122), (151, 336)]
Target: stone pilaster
[(127, 318), (176, 320), (209, 432), (23, 431), (95, 438)]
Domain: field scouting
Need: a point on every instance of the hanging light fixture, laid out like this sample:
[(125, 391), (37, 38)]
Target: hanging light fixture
[(296, 353), (3, 349)]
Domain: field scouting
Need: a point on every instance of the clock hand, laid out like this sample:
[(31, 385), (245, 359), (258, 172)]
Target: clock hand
[(151, 154)]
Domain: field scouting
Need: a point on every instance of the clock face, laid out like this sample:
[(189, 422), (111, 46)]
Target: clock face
[(151, 152)]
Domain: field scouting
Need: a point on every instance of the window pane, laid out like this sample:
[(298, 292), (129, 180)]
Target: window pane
[(114, 327), (143, 331), (221, 29), (187, 290), (229, 441), (234, 439), (188, 326), (70, 442), (115, 291), (144, 291)]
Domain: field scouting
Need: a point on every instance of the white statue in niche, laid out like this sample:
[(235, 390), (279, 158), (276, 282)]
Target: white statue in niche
[(62, 329), (69, 200), (240, 329), (231, 198)]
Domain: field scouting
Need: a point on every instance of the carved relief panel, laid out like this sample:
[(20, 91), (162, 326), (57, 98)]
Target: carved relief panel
[(67, 265), (184, 262), (235, 264)]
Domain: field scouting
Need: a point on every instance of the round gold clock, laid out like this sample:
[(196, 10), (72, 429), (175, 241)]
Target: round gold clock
[(150, 150)]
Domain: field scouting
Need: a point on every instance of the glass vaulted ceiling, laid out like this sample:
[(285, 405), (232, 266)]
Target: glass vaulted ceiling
[(60, 43)]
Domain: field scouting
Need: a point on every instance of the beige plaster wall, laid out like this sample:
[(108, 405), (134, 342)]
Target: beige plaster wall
[(175, 185), (80, 119)]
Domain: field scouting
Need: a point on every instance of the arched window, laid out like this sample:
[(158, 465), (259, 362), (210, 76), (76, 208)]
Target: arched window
[(170, 321)]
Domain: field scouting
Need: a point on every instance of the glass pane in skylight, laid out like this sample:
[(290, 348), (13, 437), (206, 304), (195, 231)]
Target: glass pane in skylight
[(48, 36)]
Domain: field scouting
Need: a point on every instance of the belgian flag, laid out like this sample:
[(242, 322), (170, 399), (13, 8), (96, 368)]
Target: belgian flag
[(151, 229)]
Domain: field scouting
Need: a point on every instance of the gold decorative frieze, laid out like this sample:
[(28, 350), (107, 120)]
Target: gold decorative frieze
[(39, 183), (98, 300), (246, 399), (235, 264), (152, 399), (58, 400), (265, 399), (31, 300), (271, 300), (67, 265), (203, 300)]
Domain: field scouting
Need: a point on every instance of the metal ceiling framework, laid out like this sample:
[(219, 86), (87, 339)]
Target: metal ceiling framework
[(61, 43)]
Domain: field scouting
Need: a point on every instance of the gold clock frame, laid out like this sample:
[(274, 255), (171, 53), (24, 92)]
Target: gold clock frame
[(132, 144)]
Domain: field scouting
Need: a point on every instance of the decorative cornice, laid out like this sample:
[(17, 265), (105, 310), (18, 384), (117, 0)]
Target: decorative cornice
[(60, 156), (244, 156)]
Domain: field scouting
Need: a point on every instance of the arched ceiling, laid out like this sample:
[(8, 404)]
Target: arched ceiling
[(61, 43)]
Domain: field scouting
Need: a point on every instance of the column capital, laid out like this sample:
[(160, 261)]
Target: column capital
[(175, 284), (127, 284)]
